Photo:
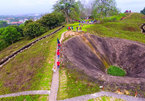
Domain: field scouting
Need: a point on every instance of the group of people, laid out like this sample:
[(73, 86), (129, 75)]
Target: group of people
[(70, 28), (58, 56), (128, 11)]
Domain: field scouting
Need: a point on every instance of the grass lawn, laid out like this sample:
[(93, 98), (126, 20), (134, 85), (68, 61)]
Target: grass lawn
[(31, 69), (106, 98), (26, 98)]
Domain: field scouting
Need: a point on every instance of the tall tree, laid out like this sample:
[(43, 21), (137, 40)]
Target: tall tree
[(67, 7), (105, 8)]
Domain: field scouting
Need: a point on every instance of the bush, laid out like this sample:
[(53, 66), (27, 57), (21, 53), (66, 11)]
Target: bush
[(52, 20), (10, 35), (116, 71), (34, 29), (113, 18), (3, 44)]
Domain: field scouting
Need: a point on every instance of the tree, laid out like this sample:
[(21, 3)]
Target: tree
[(19, 28), (34, 29), (66, 7), (27, 22), (1, 30), (143, 11), (11, 35), (104, 8), (51, 20), (3, 24)]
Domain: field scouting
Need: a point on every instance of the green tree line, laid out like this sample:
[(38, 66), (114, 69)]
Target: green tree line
[(30, 29)]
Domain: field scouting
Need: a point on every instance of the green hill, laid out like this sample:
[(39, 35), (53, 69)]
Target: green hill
[(32, 69)]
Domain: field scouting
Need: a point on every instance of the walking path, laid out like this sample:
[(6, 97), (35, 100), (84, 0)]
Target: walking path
[(102, 93), (34, 92), (55, 79)]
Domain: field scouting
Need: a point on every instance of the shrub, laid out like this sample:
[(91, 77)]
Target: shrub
[(10, 35), (34, 29), (116, 71)]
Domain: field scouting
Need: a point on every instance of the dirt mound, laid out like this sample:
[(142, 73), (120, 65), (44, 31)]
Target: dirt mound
[(93, 55)]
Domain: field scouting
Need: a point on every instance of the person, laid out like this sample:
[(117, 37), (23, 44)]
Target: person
[(80, 28), (76, 28), (79, 24), (58, 53), (54, 69), (58, 41), (58, 45), (58, 64), (72, 27)]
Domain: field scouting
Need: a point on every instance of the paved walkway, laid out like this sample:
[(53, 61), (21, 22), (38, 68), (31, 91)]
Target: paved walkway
[(34, 92), (55, 79), (102, 93)]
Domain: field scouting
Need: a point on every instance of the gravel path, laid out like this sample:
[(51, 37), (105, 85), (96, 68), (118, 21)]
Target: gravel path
[(55, 79), (102, 93), (34, 92)]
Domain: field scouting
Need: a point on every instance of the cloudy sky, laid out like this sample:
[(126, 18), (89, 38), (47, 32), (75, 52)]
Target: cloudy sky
[(19, 7)]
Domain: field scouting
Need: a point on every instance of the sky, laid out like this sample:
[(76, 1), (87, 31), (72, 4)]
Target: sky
[(20, 7)]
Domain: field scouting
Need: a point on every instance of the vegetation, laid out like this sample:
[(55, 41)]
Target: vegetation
[(106, 98), (116, 71), (32, 69), (26, 98), (3, 24), (129, 28), (143, 11), (9, 35), (74, 83), (69, 8), (30, 28), (113, 18), (34, 29), (104, 8), (14, 47), (52, 20)]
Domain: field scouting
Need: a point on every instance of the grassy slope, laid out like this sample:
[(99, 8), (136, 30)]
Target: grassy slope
[(128, 28), (31, 69), (12, 48)]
